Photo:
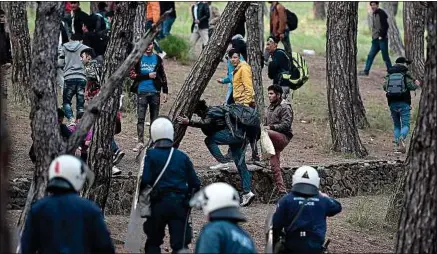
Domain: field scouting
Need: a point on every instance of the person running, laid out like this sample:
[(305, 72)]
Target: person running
[(398, 84)]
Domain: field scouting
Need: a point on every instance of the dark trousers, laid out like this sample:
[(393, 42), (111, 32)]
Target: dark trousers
[(378, 45), (146, 100), (171, 211)]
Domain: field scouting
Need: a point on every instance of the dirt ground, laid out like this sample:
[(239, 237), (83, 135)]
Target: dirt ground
[(310, 145), (345, 237)]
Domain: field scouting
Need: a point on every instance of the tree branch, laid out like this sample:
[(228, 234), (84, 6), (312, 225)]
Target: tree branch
[(95, 106)]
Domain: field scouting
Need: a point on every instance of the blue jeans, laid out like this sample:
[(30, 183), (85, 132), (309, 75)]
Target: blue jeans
[(166, 27), (114, 146), (73, 87), (378, 45), (400, 113), (237, 145)]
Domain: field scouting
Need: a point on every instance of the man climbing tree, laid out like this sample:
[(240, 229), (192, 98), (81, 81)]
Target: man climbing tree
[(341, 54), (20, 41), (414, 204)]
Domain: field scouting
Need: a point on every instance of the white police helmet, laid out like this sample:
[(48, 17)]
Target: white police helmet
[(306, 181), (69, 172), (161, 128), (218, 201)]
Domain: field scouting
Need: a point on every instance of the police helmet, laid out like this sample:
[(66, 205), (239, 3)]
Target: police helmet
[(218, 201), (162, 128), (306, 181), (68, 172)]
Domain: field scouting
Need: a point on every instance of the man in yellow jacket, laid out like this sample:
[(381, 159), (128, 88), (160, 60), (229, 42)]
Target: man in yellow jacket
[(242, 90)]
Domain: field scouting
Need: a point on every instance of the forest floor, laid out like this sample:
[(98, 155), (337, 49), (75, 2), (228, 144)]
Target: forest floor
[(359, 228)]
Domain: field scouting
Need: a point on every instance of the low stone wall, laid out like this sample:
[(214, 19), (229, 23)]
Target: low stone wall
[(339, 180)]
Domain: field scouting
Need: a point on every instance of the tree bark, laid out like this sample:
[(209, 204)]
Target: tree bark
[(4, 166), (414, 36), (20, 42), (418, 221), (140, 19), (100, 153), (341, 52), (394, 35), (261, 14), (205, 66), (43, 114), (319, 11), (254, 37), (369, 16)]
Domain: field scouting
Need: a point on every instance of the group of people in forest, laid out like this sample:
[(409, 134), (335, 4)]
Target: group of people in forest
[(65, 222)]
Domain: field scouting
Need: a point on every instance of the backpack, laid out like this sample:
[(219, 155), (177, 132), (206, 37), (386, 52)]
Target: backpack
[(291, 20), (396, 84), (239, 119), (298, 74), (102, 23), (104, 36)]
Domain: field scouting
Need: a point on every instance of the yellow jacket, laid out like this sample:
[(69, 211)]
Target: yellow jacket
[(242, 89), (153, 11)]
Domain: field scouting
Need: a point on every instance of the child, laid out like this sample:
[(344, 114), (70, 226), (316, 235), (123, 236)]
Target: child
[(397, 84)]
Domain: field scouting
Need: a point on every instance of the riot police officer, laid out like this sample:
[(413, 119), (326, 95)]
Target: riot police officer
[(221, 202), (302, 214), (170, 196)]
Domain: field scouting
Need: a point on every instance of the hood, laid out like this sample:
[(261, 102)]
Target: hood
[(398, 68), (73, 46)]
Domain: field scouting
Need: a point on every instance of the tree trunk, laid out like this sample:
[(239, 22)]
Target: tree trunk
[(4, 165), (43, 114), (319, 11), (100, 154), (20, 41), (206, 65), (369, 16), (261, 24), (414, 36), (254, 52), (394, 35), (341, 52), (359, 109), (418, 221), (94, 6)]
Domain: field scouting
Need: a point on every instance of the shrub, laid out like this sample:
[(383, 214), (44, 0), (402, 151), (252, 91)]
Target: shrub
[(175, 47)]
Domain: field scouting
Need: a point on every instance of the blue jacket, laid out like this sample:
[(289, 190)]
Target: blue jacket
[(228, 80), (179, 175), (65, 223), (312, 221), (223, 236)]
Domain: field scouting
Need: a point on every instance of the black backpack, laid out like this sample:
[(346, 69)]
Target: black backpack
[(291, 20), (239, 119)]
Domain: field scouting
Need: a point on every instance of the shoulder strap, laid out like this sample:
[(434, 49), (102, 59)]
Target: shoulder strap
[(298, 213), (165, 167)]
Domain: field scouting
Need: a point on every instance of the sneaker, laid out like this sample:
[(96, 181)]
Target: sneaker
[(117, 157), (138, 147), (162, 55), (221, 166), (247, 199), (363, 73), (115, 171), (402, 147)]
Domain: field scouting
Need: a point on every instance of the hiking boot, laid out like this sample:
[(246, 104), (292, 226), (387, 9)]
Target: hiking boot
[(363, 73), (116, 171), (138, 147), (221, 166), (402, 147), (247, 199), (117, 157)]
